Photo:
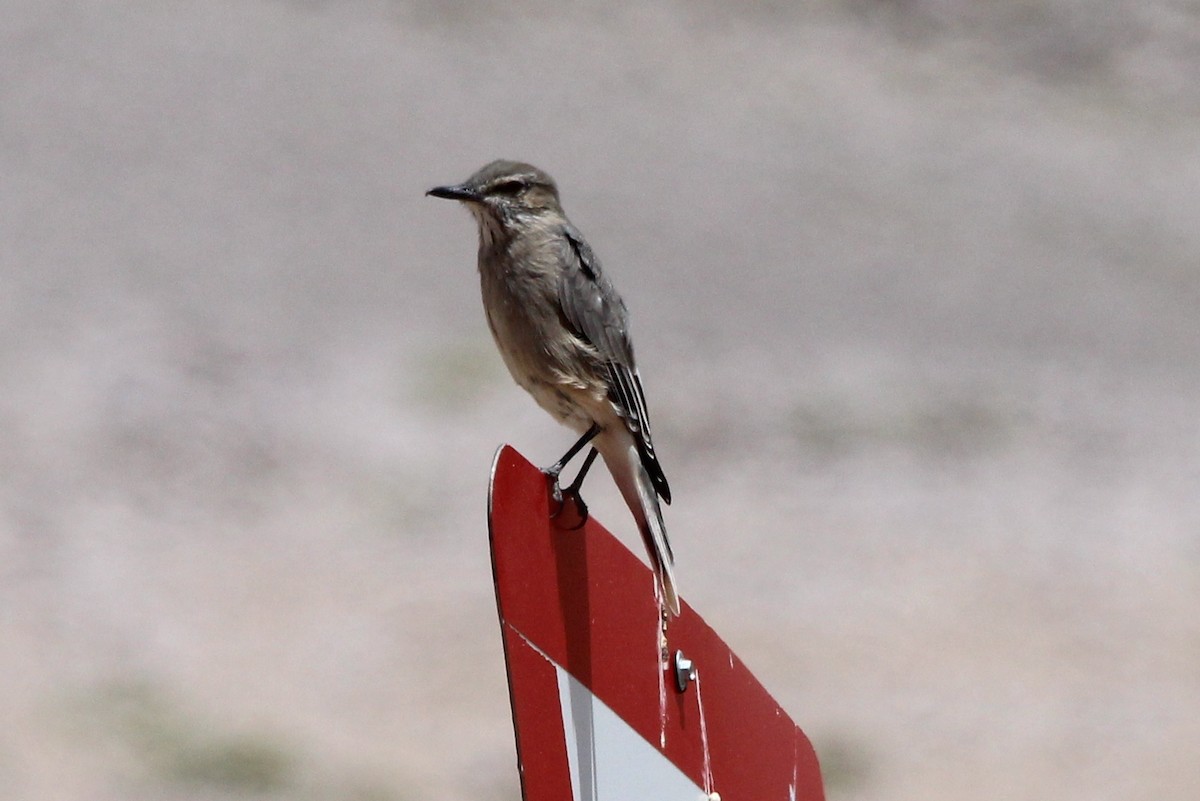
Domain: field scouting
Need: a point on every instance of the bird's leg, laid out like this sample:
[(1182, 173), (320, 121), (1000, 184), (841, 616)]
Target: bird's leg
[(570, 497), (571, 494), (583, 471), (553, 470), (577, 515)]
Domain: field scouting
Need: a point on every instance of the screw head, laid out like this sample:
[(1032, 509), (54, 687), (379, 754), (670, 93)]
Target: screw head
[(685, 671)]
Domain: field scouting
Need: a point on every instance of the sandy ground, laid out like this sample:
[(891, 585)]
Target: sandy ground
[(915, 289)]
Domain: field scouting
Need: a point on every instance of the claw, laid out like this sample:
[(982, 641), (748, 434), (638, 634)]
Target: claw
[(556, 493), (571, 513)]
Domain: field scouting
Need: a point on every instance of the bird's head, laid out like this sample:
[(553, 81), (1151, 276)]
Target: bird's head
[(504, 194)]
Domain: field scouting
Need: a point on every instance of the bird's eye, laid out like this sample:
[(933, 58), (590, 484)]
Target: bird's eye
[(509, 187)]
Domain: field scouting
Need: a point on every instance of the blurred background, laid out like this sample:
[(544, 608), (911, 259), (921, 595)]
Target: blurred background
[(914, 285)]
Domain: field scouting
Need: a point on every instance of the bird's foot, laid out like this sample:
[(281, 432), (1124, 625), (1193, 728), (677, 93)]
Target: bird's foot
[(556, 493), (568, 510)]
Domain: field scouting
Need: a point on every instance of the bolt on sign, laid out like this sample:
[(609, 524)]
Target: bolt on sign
[(608, 704)]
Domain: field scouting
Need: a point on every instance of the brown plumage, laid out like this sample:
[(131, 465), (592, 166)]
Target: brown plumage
[(563, 332)]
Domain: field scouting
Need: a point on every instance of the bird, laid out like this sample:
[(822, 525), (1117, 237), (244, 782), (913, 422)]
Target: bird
[(563, 332)]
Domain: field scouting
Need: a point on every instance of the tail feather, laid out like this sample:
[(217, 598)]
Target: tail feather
[(624, 462)]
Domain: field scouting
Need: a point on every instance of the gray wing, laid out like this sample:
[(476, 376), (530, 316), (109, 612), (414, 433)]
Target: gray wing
[(596, 314)]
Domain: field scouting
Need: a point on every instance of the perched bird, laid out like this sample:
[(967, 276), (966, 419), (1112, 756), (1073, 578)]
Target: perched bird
[(563, 332)]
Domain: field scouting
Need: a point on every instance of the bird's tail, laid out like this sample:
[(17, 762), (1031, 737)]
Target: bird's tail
[(624, 462)]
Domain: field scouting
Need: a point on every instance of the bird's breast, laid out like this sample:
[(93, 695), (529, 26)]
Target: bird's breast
[(521, 308), (520, 286)]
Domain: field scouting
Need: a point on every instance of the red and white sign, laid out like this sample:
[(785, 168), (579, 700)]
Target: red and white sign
[(592, 677)]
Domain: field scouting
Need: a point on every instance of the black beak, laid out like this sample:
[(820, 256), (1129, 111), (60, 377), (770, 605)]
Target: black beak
[(456, 192)]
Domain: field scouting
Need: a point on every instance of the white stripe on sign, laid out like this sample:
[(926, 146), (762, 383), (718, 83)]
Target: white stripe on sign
[(610, 761)]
